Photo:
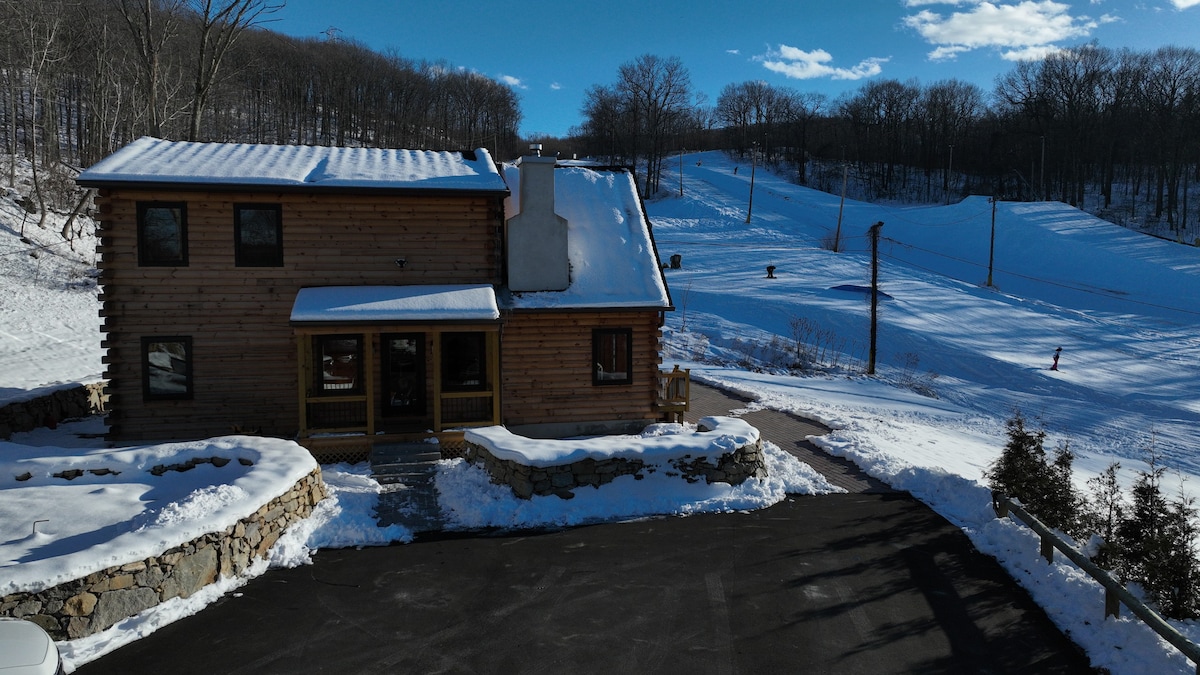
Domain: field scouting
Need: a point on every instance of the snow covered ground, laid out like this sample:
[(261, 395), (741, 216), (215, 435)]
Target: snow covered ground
[(956, 358)]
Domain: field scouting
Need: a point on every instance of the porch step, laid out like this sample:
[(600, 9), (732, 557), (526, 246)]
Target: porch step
[(406, 471)]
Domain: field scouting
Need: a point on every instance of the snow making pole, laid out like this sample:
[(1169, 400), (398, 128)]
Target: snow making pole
[(992, 246), (753, 161), (837, 235), (874, 232), (681, 151)]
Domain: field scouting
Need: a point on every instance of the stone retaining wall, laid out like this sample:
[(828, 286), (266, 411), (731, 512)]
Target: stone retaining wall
[(85, 606), (526, 481), (50, 409)]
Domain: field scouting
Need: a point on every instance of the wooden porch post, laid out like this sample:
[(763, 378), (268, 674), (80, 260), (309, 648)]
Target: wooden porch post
[(435, 350), (303, 375), (493, 356), (369, 379)]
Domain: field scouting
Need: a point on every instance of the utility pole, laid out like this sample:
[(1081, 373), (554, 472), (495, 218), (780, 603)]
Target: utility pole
[(837, 235), (949, 172), (874, 232), (992, 247), (1043, 195), (681, 172), (753, 158)]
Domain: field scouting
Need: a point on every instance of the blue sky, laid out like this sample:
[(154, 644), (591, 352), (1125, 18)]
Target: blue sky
[(551, 51)]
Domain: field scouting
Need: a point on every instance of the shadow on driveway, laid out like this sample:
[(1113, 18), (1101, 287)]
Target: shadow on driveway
[(853, 583)]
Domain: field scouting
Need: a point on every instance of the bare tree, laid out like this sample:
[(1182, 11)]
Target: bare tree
[(219, 24), (657, 93), (152, 25)]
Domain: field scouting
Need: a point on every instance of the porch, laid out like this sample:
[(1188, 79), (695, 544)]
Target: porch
[(394, 365)]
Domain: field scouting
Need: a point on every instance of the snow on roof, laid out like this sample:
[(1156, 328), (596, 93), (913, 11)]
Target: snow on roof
[(153, 160), (469, 302), (613, 263)]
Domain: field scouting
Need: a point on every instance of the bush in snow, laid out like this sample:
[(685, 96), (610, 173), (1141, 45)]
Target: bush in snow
[(1156, 545), (1044, 488), (1104, 513)]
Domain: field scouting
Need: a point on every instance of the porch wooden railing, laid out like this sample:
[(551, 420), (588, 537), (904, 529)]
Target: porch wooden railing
[(674, 393), (1115, 594)]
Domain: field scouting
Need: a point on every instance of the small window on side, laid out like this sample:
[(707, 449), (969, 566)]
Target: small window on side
[(167, 368), (612, 356), (162, 234), (258, 235)]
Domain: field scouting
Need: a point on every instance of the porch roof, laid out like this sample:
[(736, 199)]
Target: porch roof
[(357, 304)]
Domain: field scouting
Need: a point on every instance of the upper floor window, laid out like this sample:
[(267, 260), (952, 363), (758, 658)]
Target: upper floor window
[(612, 360), (258, 235), (166, 368), (162, 234)]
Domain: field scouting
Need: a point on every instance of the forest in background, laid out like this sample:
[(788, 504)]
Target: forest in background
[(1115, 132), (82, 78)]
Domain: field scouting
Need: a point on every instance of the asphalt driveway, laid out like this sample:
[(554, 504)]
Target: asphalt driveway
[(855, 583)]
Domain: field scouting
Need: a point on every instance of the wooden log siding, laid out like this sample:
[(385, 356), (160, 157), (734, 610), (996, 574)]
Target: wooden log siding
[(546, 368), (244, 361)]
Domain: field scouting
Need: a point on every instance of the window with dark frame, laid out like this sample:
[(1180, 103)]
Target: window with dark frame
[(167, 368), (162, 234), (258, 235), (338, 370), (612, 360), (464, 361)]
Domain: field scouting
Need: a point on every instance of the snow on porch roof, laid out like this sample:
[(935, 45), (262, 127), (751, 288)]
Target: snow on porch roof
[(356, 304), (156, 161)]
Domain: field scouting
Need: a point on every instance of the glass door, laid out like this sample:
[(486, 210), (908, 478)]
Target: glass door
[(403, 381)]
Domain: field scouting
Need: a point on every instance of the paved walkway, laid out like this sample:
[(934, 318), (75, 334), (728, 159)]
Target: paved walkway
[(788, 432)]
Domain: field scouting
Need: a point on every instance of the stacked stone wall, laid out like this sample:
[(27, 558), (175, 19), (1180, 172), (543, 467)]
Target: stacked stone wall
[(50, 409), (561, 480), (81, 607)]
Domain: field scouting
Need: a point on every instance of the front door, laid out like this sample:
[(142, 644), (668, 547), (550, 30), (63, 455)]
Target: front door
[(403, 380)]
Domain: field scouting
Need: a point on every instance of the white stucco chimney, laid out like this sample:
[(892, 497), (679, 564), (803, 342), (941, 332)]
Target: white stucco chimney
[(537, 236)]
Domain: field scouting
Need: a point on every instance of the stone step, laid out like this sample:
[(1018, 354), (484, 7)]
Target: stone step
[(407, 470)]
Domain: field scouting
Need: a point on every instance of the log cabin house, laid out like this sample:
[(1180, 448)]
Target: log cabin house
[(349, 296)]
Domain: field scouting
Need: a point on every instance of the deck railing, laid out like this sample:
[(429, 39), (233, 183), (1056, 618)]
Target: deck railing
[(674, 393)]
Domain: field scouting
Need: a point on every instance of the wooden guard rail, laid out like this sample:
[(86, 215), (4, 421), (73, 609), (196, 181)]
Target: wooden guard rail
[(1115, 594)]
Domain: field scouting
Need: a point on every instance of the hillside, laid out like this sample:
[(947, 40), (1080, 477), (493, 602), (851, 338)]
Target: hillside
[(1124, 307), (956, 358), (49, 326)]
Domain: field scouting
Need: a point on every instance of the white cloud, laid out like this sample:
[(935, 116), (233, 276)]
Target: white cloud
[(801, 65), (511, 81), (1185, 4), (1018, 29), (555, 86), (735, 52)]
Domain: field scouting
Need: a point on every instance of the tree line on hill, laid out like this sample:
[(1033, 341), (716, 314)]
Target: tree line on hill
[(81, 78), (1121, 124)]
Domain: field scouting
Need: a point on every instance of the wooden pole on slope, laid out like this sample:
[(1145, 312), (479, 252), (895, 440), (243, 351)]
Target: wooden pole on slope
[(874, 233), (753, 160), (837, 235), (992, 247)]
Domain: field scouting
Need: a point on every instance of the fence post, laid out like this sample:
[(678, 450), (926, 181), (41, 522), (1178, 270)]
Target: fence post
[(1112, 605)]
